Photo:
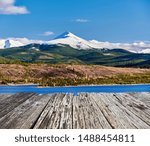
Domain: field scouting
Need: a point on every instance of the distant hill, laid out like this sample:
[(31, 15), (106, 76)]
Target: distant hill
[(58, 54)]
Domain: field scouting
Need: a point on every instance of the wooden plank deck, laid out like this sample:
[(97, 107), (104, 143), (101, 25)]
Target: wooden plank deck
[(66, 111)]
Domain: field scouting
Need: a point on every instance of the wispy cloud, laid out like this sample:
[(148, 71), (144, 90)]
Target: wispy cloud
[(82, 20), (7, 7), (48, 33)]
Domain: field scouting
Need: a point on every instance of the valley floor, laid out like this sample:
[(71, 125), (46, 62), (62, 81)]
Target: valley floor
[(67, 75)]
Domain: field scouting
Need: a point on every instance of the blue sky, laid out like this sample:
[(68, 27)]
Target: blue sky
[(103, 20)]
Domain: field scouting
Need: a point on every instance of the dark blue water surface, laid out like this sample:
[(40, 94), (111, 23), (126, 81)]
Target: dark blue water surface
[(76, 89)]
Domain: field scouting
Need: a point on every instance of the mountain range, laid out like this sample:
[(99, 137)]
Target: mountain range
[(70, 49), (68, 38)]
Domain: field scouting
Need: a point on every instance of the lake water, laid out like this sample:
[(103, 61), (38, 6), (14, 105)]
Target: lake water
[(76, 89)]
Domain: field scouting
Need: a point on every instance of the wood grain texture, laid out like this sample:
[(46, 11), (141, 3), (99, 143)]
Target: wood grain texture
[(13, 101), (26, 114), (4, 96), (144, 97), (83, 111), (87, 114)]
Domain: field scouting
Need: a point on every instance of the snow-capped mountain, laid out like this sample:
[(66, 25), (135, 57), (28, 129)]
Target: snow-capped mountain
[(8, 43), (76, 42), (17, 42), (72, 40)]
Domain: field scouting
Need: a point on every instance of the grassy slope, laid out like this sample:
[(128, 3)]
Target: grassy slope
[(65, 54)]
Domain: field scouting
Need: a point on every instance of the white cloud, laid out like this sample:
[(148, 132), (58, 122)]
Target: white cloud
[(137, 47), (48, 33), (8, 7), (82, 20)]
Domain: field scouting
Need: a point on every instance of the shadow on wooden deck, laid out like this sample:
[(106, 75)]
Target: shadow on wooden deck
[(65, 111)]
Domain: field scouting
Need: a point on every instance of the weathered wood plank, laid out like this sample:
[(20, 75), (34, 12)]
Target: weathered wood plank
[(78, 116), (134, 105), (58, 111), (67, 112), (117, 114), (52, 114), (86, 114), (26, 114), (144, 97), (13, 101), (57, 114), (97, 113), (44, 118), (132, 115), (4, 96), (112, 112)]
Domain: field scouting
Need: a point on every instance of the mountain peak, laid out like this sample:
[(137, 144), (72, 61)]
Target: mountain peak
[(65, 35), (68, 38)]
